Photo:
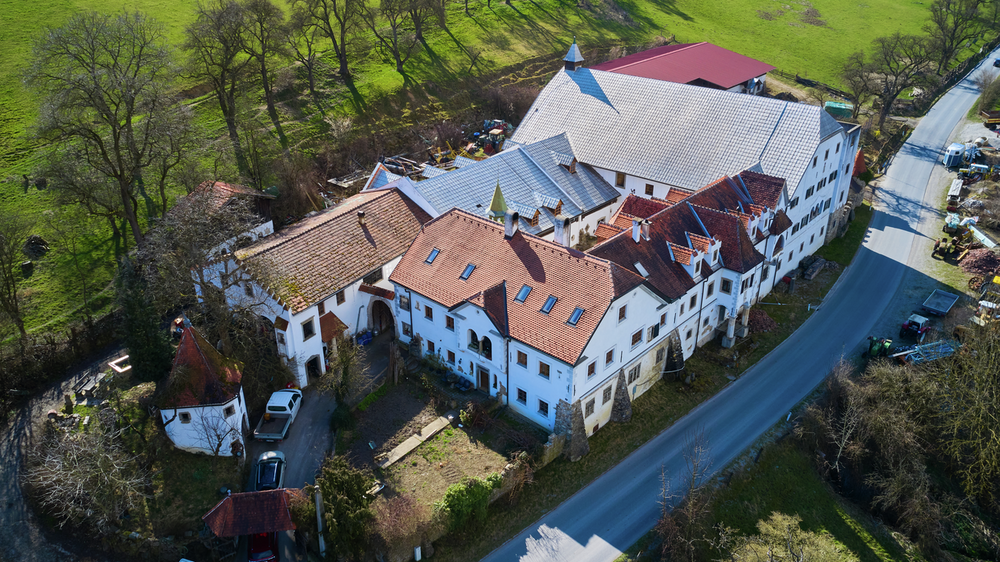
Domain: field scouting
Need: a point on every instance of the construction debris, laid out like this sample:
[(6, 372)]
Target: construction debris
[(760, 322)]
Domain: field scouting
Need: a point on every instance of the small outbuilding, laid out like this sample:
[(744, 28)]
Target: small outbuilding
[(202, 406)]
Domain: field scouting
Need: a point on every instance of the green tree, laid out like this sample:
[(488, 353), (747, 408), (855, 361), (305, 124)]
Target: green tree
[(782, 539), (346, 503), (148, 344)]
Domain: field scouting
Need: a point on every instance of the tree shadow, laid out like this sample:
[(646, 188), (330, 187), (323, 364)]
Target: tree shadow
[(357, 100), (276, 121)]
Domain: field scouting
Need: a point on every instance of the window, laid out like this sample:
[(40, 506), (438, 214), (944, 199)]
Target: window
[(430, 346), (522, 396), (407, 329), (543, 408), (428, 312), (710, 289), (814, 161), (821, 183), (449, 323), (248, 288), (589, 410), (308, 330), (543, 369), (811, 236), (649, 189), (663, 319), (451, 357), (633, 374), (694, 301), (592, 369), (705, 323), (790, 254), (609, 357), (841, 198), (434, 254), (619, 179), (522, 358), (687, 336), (549, 303), (763, 273), (726, 286), (636, 338), (523, 293), (715, 256), (697, 267), (404, 301), (809, 192), (795, 228), (821, 231), (828, 201), (575, 317), (793, 203), (682, 308), (833, 175), (622, 313), (805, 221), (607, 395), (827, 156), (373, 277), (341, 298), (468, 271), (838, 149), (802, 245), (652, 332), (185, 417), (322, 308), (659, 355)]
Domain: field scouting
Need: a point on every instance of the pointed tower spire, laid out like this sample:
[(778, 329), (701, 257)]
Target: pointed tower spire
[(498, 207), (573, 57)]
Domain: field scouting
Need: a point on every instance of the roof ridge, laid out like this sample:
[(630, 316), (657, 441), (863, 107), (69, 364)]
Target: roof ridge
[(326, 217)]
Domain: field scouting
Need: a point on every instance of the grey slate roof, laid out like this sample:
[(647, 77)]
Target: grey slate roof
[(677, 134), (532, 177)]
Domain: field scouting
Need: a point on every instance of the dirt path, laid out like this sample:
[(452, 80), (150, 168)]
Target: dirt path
[(22, 537)]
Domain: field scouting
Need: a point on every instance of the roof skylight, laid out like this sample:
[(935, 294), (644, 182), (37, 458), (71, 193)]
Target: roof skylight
[(468, 271), (549, 303), (642, 270), (575, 317), (522, 294), (434, 254)]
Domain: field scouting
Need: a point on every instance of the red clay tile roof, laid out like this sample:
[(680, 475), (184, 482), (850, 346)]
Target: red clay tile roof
[(641, 207), (764, 189), (495, 305), (682, 254), (249, 513), (574, 278), (200, 375), (700, 243), (331, 327), (738, 253), (322, 254), (780, 223), (377, 291), (690, 63), (676, 195), (623, 220), (605, 231)]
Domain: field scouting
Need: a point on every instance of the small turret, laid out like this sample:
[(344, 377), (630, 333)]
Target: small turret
[(573, 57)]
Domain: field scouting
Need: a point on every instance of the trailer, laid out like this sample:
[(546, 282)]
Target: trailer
[(940, 302), (917, 354), (990, 119)]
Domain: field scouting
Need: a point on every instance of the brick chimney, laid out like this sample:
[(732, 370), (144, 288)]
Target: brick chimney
[(510, 219), (562, 230)]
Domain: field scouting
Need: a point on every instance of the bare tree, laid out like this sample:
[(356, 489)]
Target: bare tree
[(216, 45), (349, 372), (390, 23), (215, 430), (301, 38), (684, 521), (953, 23), (189, 259), (75, 182), (265, 41), (103, 81), (900, 62), (859, 77), (86, 477), (14, 230), (336, 19), (421, 12)]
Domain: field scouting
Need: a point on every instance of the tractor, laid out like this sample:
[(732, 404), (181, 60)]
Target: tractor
[(916, 326), (877, 347)]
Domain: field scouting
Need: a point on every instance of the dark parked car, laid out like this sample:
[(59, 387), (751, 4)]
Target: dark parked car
[(263, 547), (271, 470), (996, 62)]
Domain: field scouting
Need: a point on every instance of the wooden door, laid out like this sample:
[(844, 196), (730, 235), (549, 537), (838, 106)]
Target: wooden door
[(484, 379)]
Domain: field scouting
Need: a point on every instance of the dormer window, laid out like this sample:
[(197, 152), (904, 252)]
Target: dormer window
[(549, 303), (575, 317), (468, 271), (715, 256), (434, 254), (523, 293), (697, 267)]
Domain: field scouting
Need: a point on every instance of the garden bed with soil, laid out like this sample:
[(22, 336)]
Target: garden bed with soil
[(388, 421)]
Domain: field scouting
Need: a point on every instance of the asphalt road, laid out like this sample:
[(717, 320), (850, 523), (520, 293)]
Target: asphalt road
[(609, 515)]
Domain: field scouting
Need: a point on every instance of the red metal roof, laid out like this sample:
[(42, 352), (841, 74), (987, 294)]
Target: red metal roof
[(688, 64), (249, 513)]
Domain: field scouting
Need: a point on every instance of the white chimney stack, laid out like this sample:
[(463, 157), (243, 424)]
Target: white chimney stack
[(635, 231), (510, 219), (562, 230), (644, 228), (361, 218)]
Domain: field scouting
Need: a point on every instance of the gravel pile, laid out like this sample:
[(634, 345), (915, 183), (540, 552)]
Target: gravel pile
[(980, 262), (760, 322)]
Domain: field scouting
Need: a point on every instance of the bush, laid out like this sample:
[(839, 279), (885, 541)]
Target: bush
[(341, 418), (468, 500), (371, 398)]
